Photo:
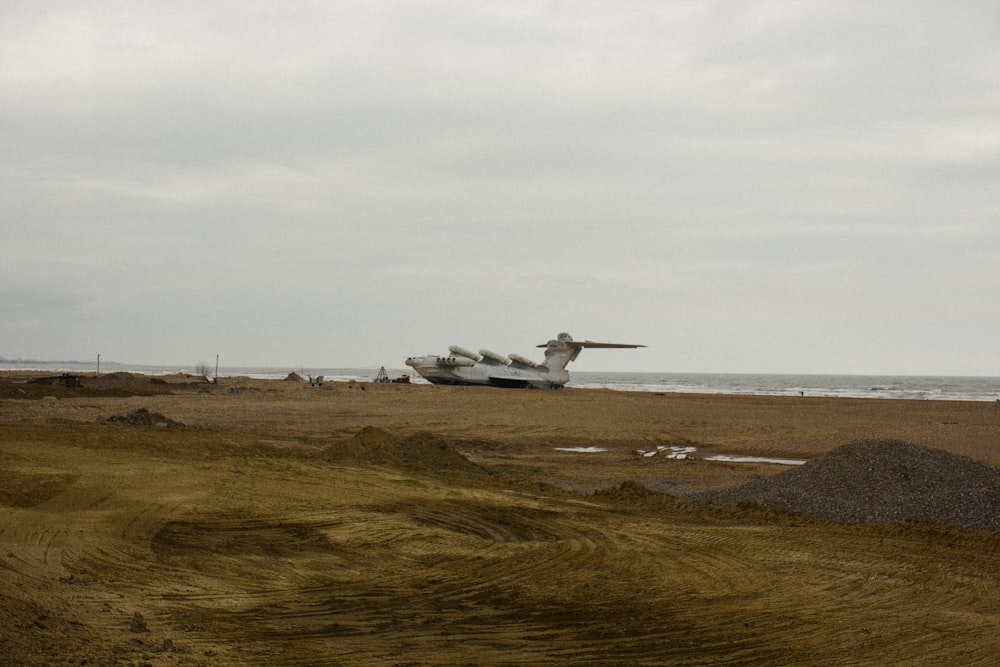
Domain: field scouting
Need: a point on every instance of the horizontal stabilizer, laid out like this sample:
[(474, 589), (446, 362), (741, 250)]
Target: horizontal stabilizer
[(589, 343)]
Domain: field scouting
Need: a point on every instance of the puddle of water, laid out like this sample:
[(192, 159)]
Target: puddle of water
[(669, 452), (678, 453), (754, 459), (673, 452)]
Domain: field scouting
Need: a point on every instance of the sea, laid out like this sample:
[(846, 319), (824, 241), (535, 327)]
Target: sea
[(912, 387)]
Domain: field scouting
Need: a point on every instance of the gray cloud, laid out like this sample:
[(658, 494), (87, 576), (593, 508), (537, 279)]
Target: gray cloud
[(761, 187)]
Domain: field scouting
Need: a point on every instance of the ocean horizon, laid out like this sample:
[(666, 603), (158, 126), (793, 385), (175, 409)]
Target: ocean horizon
[(916, 387)]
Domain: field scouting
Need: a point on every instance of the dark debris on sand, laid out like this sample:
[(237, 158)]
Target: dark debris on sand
[(881, 481), (143, 417)]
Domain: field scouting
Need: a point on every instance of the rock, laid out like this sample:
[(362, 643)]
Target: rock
[(138, 623)]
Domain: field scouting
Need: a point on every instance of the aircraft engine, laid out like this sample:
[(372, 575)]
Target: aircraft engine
[(452, 362), (462, 352), (524, 361), (499, 358)]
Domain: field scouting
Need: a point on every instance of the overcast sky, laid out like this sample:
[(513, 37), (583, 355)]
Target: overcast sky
[(743, 187)]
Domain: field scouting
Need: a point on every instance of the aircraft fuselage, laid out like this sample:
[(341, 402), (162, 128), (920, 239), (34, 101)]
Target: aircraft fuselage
[(488, 368), (445, 370)]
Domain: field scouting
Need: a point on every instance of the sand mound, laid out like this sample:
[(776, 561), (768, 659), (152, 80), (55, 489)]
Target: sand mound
[(143, 417), (121, 380), (294, 377), (373, 446), (881, 481)]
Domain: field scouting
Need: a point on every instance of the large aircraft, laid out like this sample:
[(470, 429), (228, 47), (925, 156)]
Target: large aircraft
[(496, 370)]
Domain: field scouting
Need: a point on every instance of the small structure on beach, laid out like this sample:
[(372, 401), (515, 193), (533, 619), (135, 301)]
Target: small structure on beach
[(383, 378)]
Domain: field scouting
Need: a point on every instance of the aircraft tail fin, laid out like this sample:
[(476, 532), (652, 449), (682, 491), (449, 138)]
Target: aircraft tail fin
[(560, 351)]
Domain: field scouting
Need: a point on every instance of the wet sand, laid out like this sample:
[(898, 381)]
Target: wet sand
[(249, 536)]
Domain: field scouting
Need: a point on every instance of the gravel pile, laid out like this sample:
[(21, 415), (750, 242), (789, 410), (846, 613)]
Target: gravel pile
[(881, 481)]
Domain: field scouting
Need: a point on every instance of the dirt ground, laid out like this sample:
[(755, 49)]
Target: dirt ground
[(270, 522)]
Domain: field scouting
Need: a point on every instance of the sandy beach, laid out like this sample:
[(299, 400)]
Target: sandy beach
[(270, 522)]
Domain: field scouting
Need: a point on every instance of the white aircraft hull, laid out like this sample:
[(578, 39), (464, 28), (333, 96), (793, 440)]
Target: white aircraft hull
[(496, 370), (482, 374)]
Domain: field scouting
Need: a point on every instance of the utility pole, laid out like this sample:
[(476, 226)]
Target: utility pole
[(98, 363), (216, 369)]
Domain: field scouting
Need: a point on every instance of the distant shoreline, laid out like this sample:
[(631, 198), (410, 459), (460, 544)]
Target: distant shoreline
[(944, 388)]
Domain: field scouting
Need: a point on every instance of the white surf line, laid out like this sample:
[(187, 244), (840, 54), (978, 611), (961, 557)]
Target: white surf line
[(587, 450)]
